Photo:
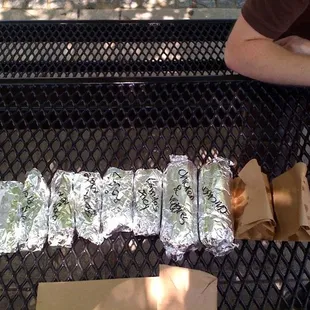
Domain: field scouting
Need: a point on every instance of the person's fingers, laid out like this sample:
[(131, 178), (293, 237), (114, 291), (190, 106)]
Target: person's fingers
[(295, 44), (284, 41)]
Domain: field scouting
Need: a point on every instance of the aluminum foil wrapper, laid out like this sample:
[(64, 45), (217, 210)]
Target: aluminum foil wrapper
[(179, 231), (87, 192), (117, 198), (34, 213), (11, 199), (61, 210), (215, 217), (147, 202)]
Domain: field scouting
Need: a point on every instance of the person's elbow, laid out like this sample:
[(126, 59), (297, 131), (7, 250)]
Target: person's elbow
[(233, 58)]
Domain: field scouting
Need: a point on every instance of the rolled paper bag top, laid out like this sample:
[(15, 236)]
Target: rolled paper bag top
[(292, 204), (252, 204)]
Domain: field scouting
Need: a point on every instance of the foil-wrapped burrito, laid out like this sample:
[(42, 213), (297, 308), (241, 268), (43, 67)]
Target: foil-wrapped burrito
[(147, 201), (117, 201), (87, 192), (61, 210), (179, 231), (214, 217), (11, 199), (34, 213)]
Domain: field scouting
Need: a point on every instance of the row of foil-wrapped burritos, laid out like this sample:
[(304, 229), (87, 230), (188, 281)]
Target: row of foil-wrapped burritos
[(186, 207)]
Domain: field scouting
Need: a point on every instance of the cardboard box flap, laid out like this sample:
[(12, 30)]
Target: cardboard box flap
[(183, 289), (175, 288), (116, 294)]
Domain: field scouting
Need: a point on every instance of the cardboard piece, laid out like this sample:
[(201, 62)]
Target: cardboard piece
[(116, 294), (185, 289), (175, 288), (252, 204), (291, 198)]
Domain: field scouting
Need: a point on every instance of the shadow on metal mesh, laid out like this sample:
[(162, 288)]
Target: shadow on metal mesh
[(95, 126)]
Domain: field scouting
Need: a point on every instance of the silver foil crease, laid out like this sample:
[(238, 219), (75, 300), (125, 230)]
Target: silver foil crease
[(87, 192), (11, 199), (147, 202), (215, 217), (34, 213), (61, 210), (117, 198), (179, 231)]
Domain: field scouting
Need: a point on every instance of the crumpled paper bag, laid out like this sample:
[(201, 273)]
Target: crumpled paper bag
[(252, 204), (291, 197)]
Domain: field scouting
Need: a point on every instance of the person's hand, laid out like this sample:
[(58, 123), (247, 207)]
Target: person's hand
[(295, 44)]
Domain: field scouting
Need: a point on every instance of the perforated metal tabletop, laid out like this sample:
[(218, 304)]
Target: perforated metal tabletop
[(56, 114)]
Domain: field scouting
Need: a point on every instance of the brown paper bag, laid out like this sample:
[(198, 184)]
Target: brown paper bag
[(291, 198), (252, 204)]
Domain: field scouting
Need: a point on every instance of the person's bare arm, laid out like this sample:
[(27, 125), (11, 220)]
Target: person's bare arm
[(251, 54)]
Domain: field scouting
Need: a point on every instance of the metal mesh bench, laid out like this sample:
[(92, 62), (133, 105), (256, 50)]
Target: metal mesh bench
[(90, 95), (112, 49)]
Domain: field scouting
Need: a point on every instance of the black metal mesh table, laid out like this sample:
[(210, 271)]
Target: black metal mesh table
[(138, 121)]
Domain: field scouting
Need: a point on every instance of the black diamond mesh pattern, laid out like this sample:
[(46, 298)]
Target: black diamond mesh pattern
[(94, 126), (113, 49)]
